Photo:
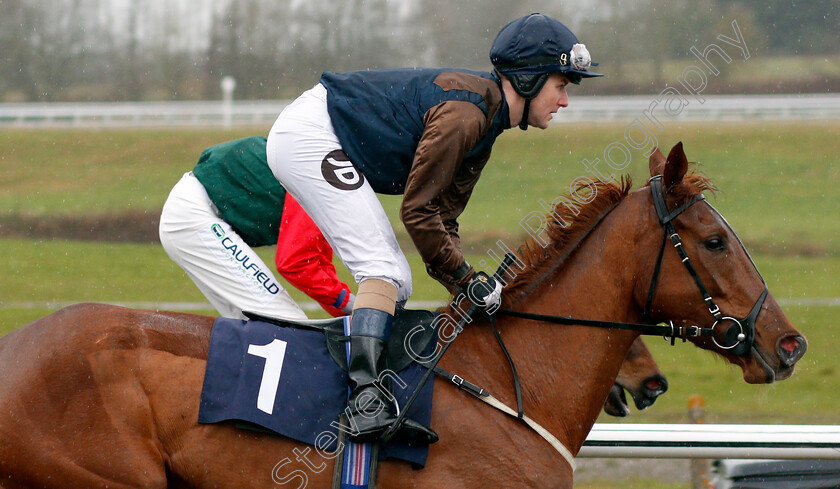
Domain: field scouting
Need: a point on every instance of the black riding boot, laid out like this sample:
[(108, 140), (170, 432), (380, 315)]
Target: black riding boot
[(371, 402)]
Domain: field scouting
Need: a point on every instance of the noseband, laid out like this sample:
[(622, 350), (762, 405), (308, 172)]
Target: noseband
[(739, 336)]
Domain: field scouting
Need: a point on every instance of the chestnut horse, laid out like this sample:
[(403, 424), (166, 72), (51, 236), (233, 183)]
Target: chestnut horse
[(640, 376), (97, 396)]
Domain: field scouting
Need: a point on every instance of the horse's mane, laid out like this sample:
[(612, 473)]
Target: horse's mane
[(566, 229)]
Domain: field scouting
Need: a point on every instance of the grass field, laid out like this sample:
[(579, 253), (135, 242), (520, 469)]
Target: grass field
[(777, 181), (778, 188)]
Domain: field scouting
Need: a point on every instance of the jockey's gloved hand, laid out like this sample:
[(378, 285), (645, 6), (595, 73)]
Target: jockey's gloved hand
[(485, 292)]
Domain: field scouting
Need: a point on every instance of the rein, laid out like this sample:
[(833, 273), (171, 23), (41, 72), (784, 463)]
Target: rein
[(669, 331)]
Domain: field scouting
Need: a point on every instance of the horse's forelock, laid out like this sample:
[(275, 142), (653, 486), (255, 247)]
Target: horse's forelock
[(693, 183)]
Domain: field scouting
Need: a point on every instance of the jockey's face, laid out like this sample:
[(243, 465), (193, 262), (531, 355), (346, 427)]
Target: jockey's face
[(551, 98)]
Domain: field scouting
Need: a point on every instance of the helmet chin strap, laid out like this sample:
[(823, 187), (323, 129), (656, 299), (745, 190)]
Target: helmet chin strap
[(523, 123)]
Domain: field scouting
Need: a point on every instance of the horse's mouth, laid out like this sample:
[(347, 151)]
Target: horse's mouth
[(616, 403)]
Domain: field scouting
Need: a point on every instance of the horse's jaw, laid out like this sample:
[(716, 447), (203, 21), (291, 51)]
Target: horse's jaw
[(758, 371)]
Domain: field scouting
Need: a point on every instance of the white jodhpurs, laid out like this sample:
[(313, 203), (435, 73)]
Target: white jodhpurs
[(226, 270), (306, 157)]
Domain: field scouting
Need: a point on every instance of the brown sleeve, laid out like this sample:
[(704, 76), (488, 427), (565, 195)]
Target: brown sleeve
[(454, 200), (433, 198)]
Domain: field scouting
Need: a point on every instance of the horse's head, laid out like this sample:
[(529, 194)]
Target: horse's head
[(704, 276), (640, 376)]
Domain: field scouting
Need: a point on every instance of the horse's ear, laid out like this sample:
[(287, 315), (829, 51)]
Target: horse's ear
[(657, 162), (675, 166)]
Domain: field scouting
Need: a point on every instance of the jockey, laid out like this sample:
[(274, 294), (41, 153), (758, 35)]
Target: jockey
[(427, 134), (230, 203)]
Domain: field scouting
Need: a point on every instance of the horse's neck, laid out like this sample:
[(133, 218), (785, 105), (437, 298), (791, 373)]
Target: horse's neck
[(566, 371)]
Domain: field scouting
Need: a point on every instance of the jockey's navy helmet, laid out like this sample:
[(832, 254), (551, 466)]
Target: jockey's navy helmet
[(530, 48)]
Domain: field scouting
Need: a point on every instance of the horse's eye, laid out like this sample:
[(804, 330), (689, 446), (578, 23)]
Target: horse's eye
[(715, 243)]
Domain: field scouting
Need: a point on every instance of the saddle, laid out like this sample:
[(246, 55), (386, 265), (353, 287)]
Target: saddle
[(412, 331)]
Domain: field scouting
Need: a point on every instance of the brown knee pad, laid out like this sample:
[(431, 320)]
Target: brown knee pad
[(376, 294)]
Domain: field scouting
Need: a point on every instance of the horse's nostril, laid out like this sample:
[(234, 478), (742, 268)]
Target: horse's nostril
[(789, 344), (656, 385), (791, 349)]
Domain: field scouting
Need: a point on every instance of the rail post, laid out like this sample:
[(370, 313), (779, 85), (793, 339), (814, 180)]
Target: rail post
[(228, 86), (699, 467)]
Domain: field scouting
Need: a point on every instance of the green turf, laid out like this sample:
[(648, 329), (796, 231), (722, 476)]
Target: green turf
[(777, 184), (96, 171), (629, 483)]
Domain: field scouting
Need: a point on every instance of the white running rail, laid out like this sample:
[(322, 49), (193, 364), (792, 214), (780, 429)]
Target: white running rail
[(742, 441), (263, 113)]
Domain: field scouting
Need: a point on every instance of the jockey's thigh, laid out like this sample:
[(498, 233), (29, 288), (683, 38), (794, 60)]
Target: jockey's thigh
[(305, 155), (226, 270)]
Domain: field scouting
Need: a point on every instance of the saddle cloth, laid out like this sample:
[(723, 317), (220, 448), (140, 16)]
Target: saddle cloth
[(285, 380)]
